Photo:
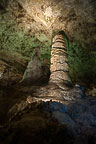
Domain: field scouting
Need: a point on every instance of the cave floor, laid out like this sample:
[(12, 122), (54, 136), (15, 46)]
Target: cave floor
[(45, 122)]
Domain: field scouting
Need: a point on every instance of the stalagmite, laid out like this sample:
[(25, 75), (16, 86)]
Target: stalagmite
[(60, 87), (59, 65)]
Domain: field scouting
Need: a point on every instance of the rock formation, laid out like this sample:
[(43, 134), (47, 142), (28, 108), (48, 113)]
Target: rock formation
[(76, 18), (60, 87), (59, 62), (42, 113), (34, 70), (55, 112)]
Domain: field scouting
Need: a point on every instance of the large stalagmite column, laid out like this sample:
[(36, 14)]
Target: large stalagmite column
[(59, 66)]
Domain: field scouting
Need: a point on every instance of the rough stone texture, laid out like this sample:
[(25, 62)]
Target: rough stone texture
[(8, 74), (14, 59), (35, 127), (59, 92), (27, 111), (59, 67), (3, 4), (77, 18), (60, 86), (12, 67), (36, 72), (76, 115), (30, 115), (33, 71)]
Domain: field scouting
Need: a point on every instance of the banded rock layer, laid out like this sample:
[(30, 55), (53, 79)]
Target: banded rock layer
[(59, 66)]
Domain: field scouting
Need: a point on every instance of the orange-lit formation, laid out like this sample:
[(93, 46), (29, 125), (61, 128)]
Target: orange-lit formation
[(59, 65)]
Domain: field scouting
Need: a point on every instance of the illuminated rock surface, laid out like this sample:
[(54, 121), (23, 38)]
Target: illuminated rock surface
[(31, 120), (76, 18), (52, 113), (30, 115)]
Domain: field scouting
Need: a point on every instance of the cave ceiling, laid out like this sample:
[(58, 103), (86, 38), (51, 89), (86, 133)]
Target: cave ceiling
[(76, 17)]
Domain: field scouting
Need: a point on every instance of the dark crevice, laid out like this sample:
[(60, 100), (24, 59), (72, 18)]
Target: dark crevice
[(62, 48), (59, 70), (58, 42)]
